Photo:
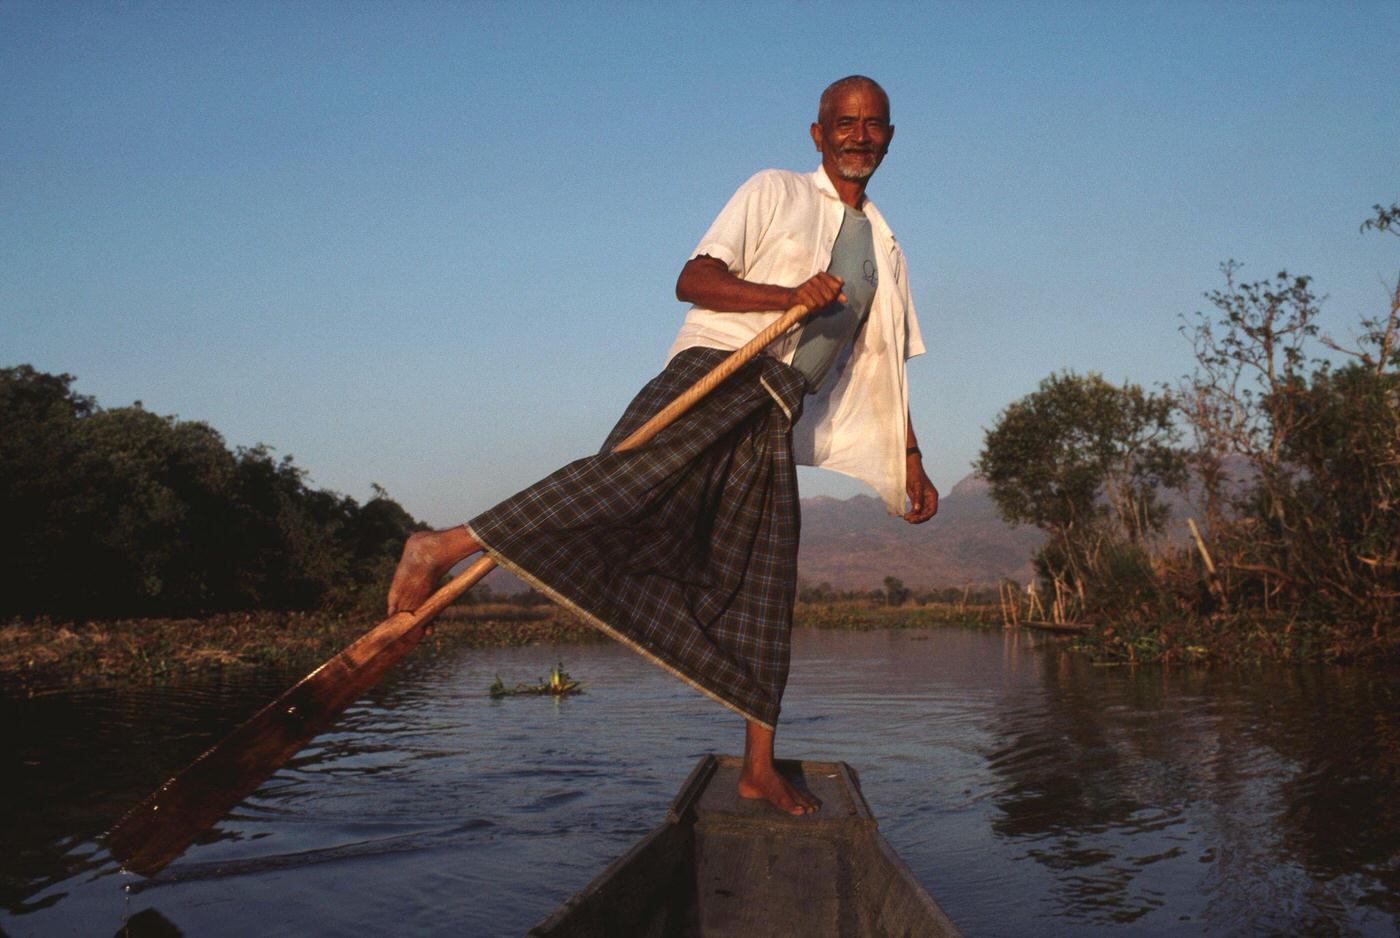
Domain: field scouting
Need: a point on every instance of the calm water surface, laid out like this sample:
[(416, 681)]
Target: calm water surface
[(1032, 793)]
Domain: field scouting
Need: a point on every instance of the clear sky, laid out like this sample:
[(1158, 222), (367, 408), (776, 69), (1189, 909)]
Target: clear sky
[(434, 246)]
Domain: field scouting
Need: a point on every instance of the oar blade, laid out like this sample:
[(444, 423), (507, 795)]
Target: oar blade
[(160, 828)]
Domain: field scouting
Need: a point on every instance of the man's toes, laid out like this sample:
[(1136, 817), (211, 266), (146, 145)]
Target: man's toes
[(800, 801), (396, 594)]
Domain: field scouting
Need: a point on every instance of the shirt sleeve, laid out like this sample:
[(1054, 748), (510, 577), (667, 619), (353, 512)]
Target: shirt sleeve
[(734, 234), (913, 337)]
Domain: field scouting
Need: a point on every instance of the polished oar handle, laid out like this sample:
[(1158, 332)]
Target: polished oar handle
[(705, 385), (159, 829)]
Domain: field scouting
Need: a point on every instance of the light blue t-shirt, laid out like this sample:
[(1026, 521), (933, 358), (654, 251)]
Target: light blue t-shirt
[(827, 334)]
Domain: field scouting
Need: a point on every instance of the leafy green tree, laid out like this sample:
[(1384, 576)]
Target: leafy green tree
[(1085, 460), (159, 492)]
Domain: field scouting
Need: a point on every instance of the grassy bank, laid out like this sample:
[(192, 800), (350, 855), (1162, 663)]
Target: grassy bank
[(44, 654), (1246, 637)]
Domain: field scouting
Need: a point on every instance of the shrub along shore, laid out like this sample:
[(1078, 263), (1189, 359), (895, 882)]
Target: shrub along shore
[(42, 655)]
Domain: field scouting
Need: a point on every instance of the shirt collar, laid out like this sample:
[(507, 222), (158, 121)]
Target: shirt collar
[(824, 186)]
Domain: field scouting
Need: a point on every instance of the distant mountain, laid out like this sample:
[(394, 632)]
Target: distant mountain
[(854, 544)]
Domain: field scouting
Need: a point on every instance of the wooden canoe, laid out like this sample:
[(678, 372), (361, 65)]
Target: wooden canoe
[(721, 865)]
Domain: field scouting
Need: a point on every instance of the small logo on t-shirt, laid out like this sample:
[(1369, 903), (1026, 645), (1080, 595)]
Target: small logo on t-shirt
[(870, 275)]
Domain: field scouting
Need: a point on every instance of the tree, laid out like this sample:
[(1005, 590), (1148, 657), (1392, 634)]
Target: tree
[(41, 499), (1084, 460), (1297, 456), (152, 535), (896, 593)]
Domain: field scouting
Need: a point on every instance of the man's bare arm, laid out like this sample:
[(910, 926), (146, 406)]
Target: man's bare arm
[(923, 497), (706, 281)]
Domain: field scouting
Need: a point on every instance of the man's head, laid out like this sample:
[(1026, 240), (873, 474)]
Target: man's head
[(853, 129)]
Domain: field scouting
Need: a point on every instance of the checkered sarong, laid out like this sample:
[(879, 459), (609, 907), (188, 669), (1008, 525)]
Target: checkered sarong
[(684, 549)]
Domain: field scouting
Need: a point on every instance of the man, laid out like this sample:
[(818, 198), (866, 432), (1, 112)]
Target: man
[(685, 549)]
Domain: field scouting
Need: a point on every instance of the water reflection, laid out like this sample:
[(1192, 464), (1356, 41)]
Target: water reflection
[(74, 760), (1236, 796), (1032, 792)]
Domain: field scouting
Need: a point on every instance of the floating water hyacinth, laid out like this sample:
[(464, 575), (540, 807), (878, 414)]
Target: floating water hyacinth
[(558, 684)]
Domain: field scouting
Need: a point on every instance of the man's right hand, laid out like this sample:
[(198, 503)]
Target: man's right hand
[(819, 290)]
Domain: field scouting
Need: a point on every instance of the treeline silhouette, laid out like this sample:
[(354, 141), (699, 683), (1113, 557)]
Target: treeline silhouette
[(122, 512), (895, 593)]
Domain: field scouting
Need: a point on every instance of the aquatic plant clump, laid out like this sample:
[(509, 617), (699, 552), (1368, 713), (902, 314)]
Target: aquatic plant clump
[(559, 684)]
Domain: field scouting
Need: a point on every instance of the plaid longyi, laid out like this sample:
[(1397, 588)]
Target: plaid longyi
[(684, 549)]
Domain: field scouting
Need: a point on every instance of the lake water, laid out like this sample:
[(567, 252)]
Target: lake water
[(1031, 792)]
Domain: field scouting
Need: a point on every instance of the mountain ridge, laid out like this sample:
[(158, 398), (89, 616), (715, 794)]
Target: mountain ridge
[(852, 543)]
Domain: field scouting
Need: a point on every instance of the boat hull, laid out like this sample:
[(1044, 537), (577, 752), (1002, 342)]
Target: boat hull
[(722, 866)]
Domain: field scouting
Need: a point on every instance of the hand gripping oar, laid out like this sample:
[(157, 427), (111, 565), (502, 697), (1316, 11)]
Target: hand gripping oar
[(159, 829)]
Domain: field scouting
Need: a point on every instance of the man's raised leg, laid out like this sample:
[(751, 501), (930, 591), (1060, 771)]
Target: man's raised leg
[(759, 777), (426, 558)]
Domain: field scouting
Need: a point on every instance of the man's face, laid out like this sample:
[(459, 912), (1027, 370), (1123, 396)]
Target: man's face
[(856, 133)]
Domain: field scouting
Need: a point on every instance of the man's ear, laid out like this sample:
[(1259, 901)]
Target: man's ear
[(816, 132)]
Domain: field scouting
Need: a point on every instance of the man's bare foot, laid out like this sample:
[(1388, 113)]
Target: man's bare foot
[(777, 791), (759, 777), (427, 556)]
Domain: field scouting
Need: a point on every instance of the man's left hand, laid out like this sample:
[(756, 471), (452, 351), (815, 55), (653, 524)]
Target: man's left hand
[(923, 497)]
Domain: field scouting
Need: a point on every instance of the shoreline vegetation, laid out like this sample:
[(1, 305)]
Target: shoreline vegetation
[(1250, 512), (43, 654)]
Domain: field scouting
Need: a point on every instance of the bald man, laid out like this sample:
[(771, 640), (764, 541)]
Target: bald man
[(685, 549)]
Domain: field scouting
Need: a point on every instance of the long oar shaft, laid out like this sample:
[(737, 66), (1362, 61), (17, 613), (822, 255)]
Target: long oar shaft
[(159, 829)]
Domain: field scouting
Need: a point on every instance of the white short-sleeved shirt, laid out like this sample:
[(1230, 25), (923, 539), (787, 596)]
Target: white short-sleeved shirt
[(779, 228)]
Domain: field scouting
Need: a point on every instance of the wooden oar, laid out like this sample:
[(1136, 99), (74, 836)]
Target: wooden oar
[(159, 829)]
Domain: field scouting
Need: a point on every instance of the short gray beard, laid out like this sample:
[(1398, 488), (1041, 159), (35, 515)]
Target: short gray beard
[(855, 172)]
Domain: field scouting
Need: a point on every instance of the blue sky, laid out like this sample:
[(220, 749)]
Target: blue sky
[(434, 246)]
